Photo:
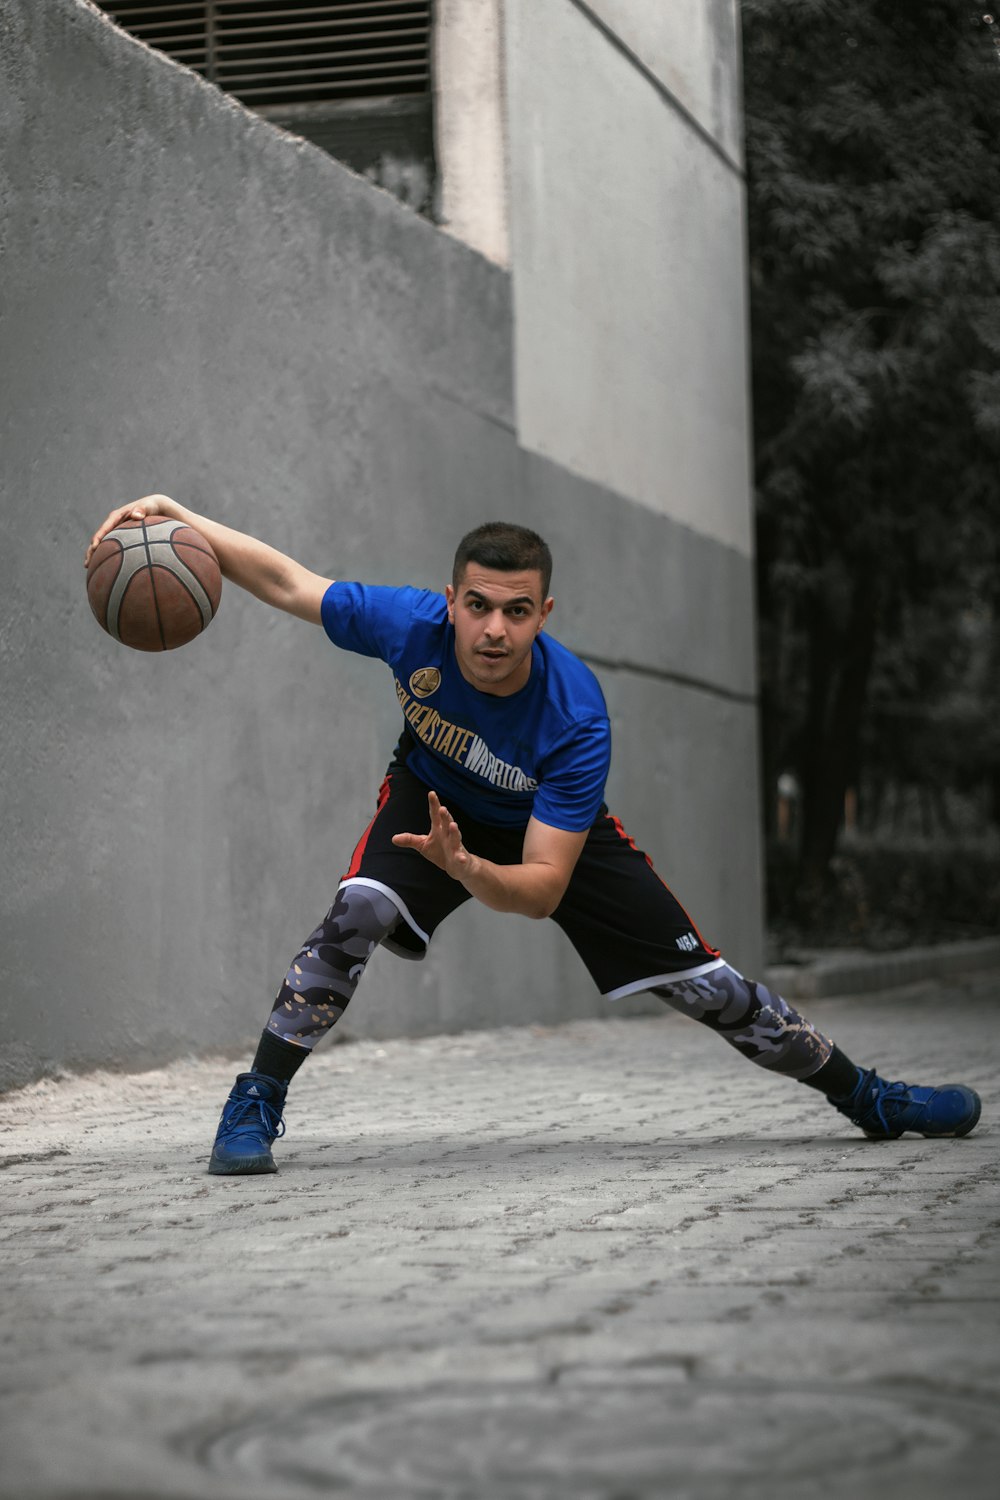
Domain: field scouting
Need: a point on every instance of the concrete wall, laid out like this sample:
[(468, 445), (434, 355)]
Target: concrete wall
[(628, 257), (471, 124), (198, 303), (693, 48), (630, 360)]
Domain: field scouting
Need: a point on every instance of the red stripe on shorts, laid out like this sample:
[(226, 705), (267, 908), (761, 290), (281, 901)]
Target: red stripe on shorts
[(631, 841), (359, 852)]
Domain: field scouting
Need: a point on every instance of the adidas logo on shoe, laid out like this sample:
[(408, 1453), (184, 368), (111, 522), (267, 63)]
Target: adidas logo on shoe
[(251, 1121)]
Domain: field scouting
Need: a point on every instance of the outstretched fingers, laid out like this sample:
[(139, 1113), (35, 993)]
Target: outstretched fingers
[(443, 844), (442, 822)]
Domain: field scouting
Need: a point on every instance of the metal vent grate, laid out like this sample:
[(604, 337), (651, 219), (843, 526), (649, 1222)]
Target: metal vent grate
[(273, 55)]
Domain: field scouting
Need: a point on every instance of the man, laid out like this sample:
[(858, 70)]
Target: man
[(495, 794)]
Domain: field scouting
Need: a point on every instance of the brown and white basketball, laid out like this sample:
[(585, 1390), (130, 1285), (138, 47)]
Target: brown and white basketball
[(154, 584)]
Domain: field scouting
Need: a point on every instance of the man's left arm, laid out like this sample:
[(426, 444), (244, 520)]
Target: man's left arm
[(533, 888)]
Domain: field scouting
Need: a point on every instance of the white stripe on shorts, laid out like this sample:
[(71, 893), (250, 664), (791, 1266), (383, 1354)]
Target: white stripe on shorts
[(400, 906), (648, 984)]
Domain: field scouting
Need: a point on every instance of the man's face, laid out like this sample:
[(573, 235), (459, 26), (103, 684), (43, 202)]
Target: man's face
[(496, 618)]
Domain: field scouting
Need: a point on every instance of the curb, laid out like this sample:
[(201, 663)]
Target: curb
[(855, 973)]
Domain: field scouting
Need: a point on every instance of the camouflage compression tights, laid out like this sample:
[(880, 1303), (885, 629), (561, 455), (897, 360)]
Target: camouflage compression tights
[(759, 1024), (324, 974)]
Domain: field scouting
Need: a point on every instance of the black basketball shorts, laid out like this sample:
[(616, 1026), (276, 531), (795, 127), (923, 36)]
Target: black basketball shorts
[(627, 926)]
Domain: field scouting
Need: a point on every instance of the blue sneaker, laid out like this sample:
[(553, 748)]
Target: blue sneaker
[(885, 1110), (251, 1120)]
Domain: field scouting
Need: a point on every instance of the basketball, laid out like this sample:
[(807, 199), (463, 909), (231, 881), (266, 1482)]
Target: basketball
[(154, 584)]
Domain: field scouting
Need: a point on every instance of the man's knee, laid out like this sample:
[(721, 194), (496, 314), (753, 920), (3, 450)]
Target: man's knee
[(324, 974), (721, 999), (360, 917)]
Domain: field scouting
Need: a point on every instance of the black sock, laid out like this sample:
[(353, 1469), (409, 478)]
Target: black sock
[(277, 1058), (838, 1077)]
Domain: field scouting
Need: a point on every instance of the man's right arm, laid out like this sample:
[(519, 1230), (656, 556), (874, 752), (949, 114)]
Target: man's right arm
[(256, 567)]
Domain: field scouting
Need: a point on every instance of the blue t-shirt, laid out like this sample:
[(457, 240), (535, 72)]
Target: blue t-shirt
[(543, 751)]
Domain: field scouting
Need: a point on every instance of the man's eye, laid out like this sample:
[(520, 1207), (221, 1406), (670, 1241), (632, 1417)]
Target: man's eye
[(518, 611)]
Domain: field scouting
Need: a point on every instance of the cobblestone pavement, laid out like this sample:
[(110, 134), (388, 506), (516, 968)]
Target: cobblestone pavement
[(606, 1261)]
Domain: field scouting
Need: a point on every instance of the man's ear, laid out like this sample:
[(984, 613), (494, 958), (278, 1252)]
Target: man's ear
[(546, 611), (449, 594)]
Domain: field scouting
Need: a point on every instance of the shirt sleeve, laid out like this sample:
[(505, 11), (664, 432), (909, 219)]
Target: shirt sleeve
[(571, 787), (370, 621)]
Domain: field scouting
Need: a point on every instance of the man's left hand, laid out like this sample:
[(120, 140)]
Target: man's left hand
[(443, 844)]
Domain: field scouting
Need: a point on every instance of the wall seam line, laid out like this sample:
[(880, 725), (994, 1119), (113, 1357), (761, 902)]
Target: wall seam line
[(505, 423), (657, 83), (663, 674)]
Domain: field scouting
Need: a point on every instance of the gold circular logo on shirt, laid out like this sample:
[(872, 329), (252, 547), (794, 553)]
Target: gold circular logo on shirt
[(425, 680)]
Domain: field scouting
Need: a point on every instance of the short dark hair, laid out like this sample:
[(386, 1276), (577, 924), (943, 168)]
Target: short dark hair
[(505, 547)]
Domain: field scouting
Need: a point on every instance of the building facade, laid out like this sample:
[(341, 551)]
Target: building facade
[(198, 301)]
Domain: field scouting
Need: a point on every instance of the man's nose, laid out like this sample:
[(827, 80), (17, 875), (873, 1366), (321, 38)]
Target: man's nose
[(496, 624)]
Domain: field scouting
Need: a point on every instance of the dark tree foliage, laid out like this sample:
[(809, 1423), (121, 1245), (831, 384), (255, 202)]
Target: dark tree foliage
[(873, 147)]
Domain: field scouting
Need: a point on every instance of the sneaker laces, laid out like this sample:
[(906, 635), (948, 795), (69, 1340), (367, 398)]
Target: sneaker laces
[(873, 1097), (242, 1112)]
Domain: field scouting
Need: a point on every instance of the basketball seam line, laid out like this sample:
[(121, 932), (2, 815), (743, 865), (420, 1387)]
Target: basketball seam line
[(190, 593), (152, 585), (192, 547)]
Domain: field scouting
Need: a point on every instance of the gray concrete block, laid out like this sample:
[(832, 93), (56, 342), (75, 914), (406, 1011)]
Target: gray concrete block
[(855, 973)]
